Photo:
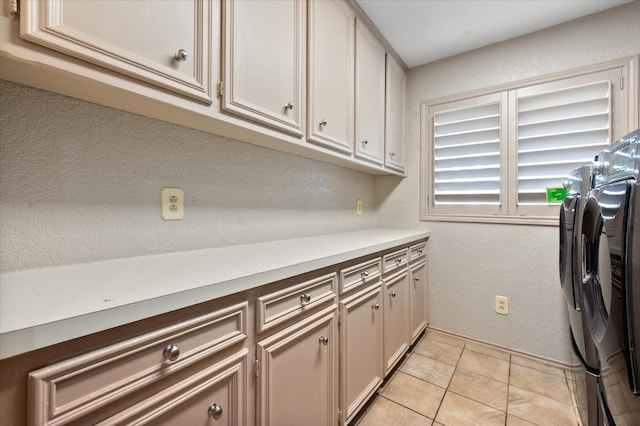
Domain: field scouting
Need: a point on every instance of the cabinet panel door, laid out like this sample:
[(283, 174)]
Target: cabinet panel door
[(394, 130), (419, 287), (360, 349), (140, 39), (396, 318), (370, 90), (298, 373), (263, 61), (331, 75)]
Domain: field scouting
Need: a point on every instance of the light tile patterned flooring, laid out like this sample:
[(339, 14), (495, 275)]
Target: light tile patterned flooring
[(449, 381)]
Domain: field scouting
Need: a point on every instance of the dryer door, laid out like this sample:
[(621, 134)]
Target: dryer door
[(566, 252), (606, 291)]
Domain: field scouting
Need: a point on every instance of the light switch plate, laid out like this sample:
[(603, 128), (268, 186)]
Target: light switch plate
[(172, 203)]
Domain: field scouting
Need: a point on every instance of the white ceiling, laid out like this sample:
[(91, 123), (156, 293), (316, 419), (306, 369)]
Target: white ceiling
[(423, 31)]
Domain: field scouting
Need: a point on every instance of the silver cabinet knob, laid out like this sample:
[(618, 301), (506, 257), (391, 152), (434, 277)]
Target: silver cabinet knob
[(421, 251), (181, 55), (324, 340), (392, 154), (305, 298), (398, 261), (323, 123), (364, 142), (416, 279), (364, 274), (375, 306), (214, 411), (288, 106), (171, 352), (392, 294)]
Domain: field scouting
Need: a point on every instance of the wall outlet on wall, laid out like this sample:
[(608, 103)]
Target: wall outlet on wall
[(172, 203), (359, 207), (502, 305)]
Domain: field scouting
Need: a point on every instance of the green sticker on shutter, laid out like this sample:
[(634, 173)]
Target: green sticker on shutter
[(556, 194)]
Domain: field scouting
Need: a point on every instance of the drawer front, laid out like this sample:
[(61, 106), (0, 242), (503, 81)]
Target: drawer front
[(360, 275), (394, 261), (281, 306), (73, 388), (417, 252), (215, 395)]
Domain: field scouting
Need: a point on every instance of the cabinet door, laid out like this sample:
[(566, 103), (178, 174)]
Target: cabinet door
[(331, 75), (394, 130), (298, 373), (361, 362), (164, 43), (396, 318), (370, 69), (215, 395), (419, 287), (263, 61)]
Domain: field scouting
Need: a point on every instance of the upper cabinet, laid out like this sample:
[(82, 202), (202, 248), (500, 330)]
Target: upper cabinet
[(370, 92), (263, 61), (331, 59), (306, 77), (161, 43), (395, 100)]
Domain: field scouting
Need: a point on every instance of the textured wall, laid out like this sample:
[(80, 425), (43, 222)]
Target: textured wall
[(471, 263), (81, 182)]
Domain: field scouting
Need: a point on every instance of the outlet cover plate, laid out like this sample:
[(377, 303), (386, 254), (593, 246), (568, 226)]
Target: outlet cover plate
[(502, 305), (172, 203)]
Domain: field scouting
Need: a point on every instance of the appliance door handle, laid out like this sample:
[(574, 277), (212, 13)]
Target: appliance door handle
[(595, 372)]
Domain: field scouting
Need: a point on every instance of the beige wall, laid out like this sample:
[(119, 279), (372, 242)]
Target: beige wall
[(472, 263), (81, 182)]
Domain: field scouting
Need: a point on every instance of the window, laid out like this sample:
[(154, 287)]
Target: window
[(490, 157)]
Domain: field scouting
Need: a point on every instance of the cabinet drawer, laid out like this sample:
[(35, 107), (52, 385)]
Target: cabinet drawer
[(215, 395), (280, 306), (417, 251), (394, 261), (360, 275), (64, 391)]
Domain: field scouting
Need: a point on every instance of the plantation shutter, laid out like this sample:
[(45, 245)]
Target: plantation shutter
[(560, 127), (467, 140)]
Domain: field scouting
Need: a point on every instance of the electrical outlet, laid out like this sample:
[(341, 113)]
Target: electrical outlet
[(502, 305), (359, 207), (172, 203)]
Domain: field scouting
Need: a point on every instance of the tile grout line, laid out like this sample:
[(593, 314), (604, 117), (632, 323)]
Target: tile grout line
[(449, 382)]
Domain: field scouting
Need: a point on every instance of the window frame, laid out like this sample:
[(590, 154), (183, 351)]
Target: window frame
[(624, 119)]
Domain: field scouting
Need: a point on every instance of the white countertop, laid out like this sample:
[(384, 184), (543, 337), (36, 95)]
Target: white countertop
[(42, 307)]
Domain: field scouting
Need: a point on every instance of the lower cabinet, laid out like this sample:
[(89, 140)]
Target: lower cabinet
[(396, 318), (320, 346), (419, 293), (297, 373), (361, 364), (214, 395)]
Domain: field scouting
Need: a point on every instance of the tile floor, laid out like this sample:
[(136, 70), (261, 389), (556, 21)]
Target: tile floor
[(449, 381)]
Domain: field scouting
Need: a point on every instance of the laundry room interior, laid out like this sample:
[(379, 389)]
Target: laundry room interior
[(272, 210)]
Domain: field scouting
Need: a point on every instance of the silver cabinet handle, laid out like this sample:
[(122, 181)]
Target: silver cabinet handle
[(392, 154), (324, 340), (288, 106), (181, 55), (416, 279), (171, 352), (323, 123), (398, 261), (305, 298), (421, 251), (392, 294), (215, 411), (364, 142), (375, 306), (364, 274)]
